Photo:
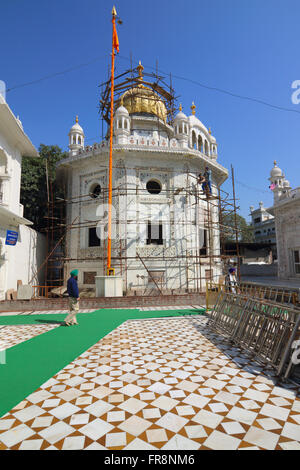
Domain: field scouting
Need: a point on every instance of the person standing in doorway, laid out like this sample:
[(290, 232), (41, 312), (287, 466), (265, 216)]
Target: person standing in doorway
[(72, 288)]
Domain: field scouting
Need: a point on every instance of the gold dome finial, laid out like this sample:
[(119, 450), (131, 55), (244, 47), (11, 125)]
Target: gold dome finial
[(275, 163), (180, 107), (209, 131), (122, 101), (140, 70), (193, 108), (114, 11), (76, 120)]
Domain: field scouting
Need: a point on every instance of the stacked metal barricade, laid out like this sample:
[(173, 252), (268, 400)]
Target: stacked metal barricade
[(265, 329), (272, 293)]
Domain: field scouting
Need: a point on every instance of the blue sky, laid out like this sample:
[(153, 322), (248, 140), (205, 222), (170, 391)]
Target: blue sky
[(246, 47)]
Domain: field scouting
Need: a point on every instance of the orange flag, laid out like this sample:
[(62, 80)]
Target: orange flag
[(115, 39)]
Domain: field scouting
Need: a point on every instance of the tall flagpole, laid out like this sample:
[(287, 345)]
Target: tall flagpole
[(109, 271)]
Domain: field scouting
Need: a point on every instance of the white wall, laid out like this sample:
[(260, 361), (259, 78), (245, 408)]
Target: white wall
[(22, 260)]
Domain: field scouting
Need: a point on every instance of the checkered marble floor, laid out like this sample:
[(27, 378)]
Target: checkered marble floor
[(42, 312), (86, 310), (15, 334), (158, 384)]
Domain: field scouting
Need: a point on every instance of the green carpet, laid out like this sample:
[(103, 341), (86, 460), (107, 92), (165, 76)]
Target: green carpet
[(33, 362)]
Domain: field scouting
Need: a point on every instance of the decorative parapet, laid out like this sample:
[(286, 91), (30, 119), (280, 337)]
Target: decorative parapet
[(156, 251), (147, 144)]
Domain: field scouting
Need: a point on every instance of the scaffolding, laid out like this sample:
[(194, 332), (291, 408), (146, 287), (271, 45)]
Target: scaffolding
[(198, 262), (195, 260)]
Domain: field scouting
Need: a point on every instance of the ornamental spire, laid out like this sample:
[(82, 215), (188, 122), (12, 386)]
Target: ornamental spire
[(193, 108), (140, 70)]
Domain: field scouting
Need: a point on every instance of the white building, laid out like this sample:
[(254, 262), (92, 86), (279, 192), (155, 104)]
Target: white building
[(161, 227), (17, 262), (263, 224), (286, 210)]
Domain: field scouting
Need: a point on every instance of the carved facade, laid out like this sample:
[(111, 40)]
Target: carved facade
[(158, 220)]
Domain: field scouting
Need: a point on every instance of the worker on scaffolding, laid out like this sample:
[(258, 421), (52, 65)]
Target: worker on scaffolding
[(207, 176), (201, 180), (72, 288)]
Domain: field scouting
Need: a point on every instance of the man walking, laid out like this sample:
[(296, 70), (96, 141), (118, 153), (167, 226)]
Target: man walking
[(74, 298)]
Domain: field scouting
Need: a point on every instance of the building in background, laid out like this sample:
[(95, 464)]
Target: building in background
[(21, 247), (166, 228), (286, 211), (263, 224)]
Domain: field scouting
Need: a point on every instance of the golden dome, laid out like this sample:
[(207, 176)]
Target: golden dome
[(141, 99)]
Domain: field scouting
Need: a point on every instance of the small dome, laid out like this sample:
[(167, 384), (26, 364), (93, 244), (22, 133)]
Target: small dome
[(276, 171), (194, 121), (286, 184), (180, 116), (122, 110), (76, 128)]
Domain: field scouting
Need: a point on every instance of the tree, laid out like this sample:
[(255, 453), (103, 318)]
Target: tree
[(35, 186), (228, 232)]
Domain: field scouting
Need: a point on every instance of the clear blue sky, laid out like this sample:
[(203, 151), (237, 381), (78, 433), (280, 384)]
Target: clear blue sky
[(247, 47)]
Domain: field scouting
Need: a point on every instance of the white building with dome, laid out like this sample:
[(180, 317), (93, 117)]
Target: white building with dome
[(286, 212), (165, 230)]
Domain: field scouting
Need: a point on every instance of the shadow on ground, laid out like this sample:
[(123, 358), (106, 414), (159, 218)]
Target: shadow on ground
[(246, 362)]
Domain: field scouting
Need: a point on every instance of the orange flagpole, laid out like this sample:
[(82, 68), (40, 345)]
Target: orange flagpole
[(114, 14)]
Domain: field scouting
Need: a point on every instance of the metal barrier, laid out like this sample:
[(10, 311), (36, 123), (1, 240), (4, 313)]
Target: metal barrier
[(262, 328), (274, 294), (278, 295)]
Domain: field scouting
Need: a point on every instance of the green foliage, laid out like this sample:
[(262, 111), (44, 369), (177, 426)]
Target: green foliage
[(228, 232), (34, 189)]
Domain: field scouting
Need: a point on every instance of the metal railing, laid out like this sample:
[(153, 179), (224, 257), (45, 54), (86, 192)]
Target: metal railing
[(278, 295), (262, 328), (271, 293)]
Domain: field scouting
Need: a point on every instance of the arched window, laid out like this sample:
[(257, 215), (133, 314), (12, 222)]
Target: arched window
[(74, 139), (180, 129), (206, 148), (200, 143), (79, 140), (153, 187), (125, 124), (194, 140), (95, 190), (120, 123)]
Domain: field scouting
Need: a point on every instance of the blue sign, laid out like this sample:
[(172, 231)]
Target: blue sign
[(11, 237)]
